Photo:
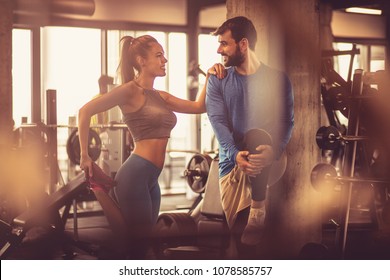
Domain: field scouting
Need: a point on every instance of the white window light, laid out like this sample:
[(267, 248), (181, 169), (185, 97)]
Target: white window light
[(364, 11)]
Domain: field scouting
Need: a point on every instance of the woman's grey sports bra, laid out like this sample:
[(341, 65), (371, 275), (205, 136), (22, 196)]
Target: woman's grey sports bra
[(153, 120)]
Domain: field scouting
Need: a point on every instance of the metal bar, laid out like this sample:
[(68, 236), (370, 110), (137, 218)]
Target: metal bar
[(350, 152), (333, 137), (45, 126), (330, 53), (36, 108), (354, 138), (51, 119), (361, 180), (75, 221)]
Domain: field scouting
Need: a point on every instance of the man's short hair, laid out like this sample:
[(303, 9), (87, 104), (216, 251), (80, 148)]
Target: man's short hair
[(105, 80), (240, 27)]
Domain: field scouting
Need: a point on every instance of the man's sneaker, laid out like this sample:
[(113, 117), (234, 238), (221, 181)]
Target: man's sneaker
[(254, 228)]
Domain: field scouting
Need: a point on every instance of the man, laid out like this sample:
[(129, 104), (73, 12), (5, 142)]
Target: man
[(251, 96), (102, 118)]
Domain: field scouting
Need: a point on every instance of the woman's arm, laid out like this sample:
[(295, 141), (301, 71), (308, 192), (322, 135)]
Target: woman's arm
[(198, 106), (117, 96)]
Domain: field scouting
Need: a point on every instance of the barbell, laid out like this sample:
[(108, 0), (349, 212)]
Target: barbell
[(112, 125), (330, 138), (324, 176), (72, 144)]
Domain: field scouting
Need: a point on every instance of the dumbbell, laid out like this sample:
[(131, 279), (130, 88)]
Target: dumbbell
[(330, 138), (324, 175)]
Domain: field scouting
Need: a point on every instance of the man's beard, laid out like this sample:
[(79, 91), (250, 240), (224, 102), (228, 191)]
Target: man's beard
[(236, 59)]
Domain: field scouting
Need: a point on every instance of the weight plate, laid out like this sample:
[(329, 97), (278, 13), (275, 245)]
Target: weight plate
[(328, 138), (197, 172), (73, 146), (338, 98), (321, 174)]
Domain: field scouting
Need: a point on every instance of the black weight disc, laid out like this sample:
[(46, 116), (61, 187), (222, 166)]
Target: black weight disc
[(73, 146), (197, 172)]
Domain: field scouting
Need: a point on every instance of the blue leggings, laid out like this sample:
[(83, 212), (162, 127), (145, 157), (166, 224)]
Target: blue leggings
[(138, 194)]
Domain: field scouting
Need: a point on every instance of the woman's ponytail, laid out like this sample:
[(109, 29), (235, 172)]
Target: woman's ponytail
[(131, 48), (126, 63)]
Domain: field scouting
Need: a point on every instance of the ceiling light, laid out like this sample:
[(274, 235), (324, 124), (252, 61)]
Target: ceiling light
[(363, 11)]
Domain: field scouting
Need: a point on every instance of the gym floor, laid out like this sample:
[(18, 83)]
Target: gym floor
[(89, 237)]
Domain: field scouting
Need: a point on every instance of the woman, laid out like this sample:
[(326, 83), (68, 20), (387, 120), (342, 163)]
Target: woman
[(150, 118)]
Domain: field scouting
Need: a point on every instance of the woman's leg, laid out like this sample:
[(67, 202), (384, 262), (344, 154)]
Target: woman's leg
[(138, 195), (155, 195)]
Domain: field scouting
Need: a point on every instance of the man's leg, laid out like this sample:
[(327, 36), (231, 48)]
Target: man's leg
[(256, 219)]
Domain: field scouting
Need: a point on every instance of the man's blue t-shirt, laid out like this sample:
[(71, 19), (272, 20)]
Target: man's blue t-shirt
[(239, 103)]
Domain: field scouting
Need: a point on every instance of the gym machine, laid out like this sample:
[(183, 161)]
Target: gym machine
[(360, 175), (334, 91)]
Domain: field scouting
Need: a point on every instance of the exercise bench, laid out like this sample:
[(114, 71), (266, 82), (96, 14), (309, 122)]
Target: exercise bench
[(12, 234)]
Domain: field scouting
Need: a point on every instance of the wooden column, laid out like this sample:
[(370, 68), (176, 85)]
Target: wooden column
[(288, 39), (386, 13), (193, 11), (6, 123)]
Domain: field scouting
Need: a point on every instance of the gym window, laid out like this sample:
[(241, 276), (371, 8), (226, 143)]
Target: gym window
[(71, 63), (21, 75), (370, 59)]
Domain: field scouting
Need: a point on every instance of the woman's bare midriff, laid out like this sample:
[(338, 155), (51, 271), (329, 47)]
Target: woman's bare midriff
[(152, 150)]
